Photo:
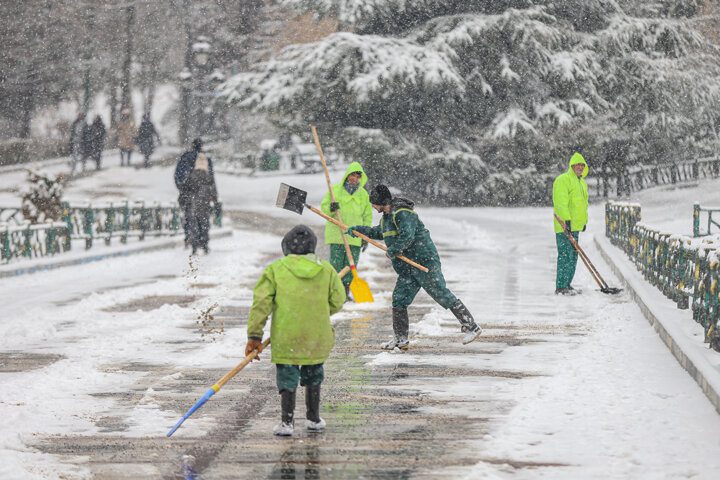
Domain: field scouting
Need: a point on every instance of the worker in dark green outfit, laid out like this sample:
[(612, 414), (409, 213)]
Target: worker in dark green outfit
[(405, 234), (570, 203), (354, 206), (300, 291)]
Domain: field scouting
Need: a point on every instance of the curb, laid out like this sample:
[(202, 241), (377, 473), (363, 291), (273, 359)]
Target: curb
[(175, 242), (700, 369)]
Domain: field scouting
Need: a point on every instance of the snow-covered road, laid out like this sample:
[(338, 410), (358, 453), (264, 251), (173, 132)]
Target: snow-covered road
[(110, 354)]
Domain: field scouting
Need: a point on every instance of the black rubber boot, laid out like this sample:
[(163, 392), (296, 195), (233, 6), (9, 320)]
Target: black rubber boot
[(401, 326), (287, 404), (467, 323), (312, 403)]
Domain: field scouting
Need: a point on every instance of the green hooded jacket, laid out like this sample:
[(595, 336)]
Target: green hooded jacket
[(404, 234), (570, 196), (355, 209), (301, 292)]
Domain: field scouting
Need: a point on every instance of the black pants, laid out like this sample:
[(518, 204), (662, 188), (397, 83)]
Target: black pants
[(185, 204), (125, 157), (200, 224)]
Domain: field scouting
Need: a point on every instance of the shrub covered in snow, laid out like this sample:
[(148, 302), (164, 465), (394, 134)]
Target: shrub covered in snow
[(42, 200)]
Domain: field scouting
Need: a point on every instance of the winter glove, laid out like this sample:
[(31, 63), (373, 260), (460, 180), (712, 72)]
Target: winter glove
[(350, 233), (253, 344), (363, 246), (334, 207)]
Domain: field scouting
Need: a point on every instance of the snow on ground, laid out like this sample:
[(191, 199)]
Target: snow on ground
[(604, 399)]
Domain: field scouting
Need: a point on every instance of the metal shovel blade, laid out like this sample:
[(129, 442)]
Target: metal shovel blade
[(611, 290), (291, 198)]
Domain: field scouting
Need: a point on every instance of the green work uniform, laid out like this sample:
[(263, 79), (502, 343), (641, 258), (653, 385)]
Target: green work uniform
[(405, 234), (355, 209), (570, 203)]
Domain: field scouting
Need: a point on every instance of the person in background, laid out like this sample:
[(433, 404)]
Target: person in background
[(97, 133), (126, 136), (200, 185), (145, 139), (75, 143), (570, 203), (300, 291), (184, 167), (352, 201)]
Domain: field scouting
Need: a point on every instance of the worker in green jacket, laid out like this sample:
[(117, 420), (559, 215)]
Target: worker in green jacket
[(405, 234), (351, 200), (300, 291), (570, 203)]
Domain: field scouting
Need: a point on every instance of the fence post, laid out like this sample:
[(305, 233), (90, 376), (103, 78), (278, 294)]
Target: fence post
[(89, 222), (50, 239), (5, 239), (126, 221), (109, 223), (696, 219)]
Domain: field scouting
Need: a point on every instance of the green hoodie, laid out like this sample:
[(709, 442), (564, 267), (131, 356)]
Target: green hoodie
[(570, 196), (355, 209), (301, 292)]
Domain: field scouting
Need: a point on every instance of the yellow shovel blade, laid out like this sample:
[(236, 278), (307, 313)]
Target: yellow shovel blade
[(360, 290)]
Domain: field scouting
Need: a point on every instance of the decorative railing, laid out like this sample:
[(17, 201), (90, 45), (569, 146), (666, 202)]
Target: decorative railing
[(31, 241), (90, 222), (681, 267), (698, 211)]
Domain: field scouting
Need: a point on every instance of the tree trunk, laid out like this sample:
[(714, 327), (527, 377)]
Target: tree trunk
[(126, 99)]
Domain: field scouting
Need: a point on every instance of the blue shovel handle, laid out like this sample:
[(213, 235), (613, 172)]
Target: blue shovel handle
[(192, 410)]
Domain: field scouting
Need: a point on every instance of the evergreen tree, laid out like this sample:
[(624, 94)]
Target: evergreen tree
[(429, 92)]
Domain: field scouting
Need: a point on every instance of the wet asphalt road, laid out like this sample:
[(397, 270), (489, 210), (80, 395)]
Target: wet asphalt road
[(382, 423)]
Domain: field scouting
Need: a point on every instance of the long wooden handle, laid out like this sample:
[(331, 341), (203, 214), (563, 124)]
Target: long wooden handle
[(583, 256), (348, 252), (240, 366), (364, 237)]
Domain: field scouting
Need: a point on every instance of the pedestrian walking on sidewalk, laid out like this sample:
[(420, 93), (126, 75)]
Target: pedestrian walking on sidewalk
[(145, 139), (300, 291), (96, 135), (200, 185), (570, 203), (184, 167), (353, 202), (75, 143), (126, 136), (405, 234)]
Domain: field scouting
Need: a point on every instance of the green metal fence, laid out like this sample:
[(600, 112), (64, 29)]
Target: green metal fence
[(684, 269), (90, 222), (32, 241)]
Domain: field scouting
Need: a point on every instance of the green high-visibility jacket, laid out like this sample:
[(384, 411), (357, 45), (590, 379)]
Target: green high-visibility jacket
[(404, 234), (570, 196), (355, 208), (301, 292)]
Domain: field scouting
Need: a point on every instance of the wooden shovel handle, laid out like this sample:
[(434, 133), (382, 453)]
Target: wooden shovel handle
[(364, 237), (251, 356)]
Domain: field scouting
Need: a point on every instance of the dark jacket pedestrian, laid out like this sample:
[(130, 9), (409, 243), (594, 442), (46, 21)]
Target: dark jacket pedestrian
[(405, 234), (201, 188), (184, 167), (145, 139), (97, 135)]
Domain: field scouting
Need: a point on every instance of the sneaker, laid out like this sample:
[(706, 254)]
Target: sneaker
[(283, 429), (565, 291), (395, 343), (315, 426), (471, 335)]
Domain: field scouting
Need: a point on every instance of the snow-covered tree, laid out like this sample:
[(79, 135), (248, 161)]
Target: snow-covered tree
[(42, 200), (495, 85)]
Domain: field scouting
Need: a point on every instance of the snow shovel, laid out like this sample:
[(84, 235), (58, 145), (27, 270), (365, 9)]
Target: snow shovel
[(214, 389), (293, 199), (604, 287), (359, 287)]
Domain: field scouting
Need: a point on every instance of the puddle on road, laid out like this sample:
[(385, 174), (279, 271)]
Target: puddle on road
[(22, 361)]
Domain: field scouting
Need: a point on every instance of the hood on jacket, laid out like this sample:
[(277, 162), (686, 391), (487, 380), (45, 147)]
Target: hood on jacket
[(303, 266), (578, 158), (352, 168), (399, 202)]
